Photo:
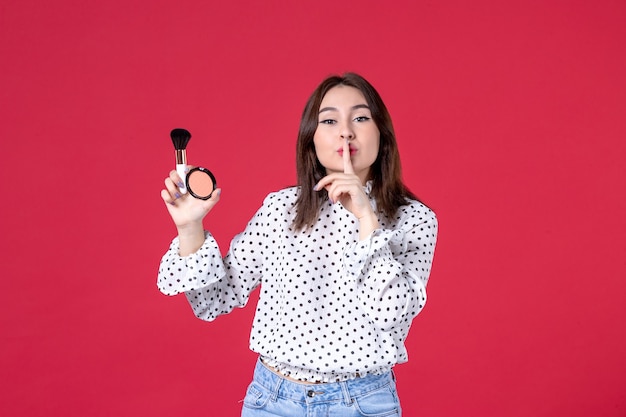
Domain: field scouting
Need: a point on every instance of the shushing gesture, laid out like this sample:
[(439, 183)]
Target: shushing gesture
[(346, 187)]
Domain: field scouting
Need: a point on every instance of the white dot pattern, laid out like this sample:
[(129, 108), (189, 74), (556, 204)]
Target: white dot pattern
[(331, 307)]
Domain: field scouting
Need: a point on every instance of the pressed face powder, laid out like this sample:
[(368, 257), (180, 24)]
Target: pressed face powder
[(201, 183)]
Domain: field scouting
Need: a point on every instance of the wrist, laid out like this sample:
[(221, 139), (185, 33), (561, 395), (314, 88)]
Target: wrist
[(191, 228), (367, 224), (190, 238)]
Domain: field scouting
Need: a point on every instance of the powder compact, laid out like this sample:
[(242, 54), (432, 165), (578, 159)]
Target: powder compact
[(199, 181)]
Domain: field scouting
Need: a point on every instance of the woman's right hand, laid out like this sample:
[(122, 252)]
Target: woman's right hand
[(187, 212)]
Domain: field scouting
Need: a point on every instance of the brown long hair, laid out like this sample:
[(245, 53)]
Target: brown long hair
[(388, 190)]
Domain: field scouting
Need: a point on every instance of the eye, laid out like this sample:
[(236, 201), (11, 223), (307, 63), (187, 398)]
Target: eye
[(327, 122), (362, 119)]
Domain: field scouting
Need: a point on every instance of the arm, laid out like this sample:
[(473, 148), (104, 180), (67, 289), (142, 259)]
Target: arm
[(391, 268), (214, 286), (193, 264)]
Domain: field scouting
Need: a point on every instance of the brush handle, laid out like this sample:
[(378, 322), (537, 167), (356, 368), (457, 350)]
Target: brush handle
[(182, 173)]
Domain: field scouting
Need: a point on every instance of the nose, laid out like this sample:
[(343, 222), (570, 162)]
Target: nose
[(346, 132)]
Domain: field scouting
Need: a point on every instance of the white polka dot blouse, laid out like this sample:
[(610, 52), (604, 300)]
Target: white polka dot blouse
[(330, 307)]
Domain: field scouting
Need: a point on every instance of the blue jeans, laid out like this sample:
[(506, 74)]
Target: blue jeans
[(270, 395)]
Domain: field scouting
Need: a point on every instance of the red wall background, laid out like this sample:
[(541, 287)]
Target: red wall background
[(511, 124)]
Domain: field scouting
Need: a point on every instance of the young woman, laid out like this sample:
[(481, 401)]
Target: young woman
[(342, 259)]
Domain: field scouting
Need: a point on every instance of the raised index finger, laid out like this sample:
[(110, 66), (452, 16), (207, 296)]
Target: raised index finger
[(347, 162)]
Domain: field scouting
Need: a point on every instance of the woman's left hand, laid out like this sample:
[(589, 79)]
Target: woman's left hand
[(346, 187)]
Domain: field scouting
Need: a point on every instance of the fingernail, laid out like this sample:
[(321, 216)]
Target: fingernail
[(177, 195), (180, 184), (219, 192), (316, 187)]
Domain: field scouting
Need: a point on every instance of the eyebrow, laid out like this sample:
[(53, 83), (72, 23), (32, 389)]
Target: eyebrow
[(358, 106)]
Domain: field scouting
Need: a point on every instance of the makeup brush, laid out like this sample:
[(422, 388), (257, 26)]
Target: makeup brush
[(180, 138)]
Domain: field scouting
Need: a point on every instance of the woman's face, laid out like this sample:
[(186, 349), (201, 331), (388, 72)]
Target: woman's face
[(344, 114)]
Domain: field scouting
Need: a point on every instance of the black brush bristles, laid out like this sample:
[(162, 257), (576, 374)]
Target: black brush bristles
[(180, 138)]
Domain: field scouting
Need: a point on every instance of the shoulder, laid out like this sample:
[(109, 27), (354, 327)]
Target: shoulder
[(416, 212), (280, 201), (278, 207), (286, 196)]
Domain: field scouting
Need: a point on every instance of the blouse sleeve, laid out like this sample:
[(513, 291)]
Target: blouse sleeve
[(215, 286), (391, 268), (179, 274)]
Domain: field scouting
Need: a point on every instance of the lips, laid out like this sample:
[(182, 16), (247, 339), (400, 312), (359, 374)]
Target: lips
[(352, 150)]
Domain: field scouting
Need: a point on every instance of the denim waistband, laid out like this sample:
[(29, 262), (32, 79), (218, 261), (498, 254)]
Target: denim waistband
[(309, 393), (309, 375)]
